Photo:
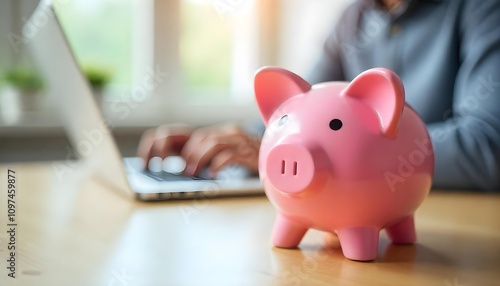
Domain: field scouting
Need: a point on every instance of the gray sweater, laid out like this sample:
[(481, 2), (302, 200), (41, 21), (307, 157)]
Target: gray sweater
[(447, 54)]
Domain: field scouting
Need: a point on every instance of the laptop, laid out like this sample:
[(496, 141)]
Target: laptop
[(90, 136)]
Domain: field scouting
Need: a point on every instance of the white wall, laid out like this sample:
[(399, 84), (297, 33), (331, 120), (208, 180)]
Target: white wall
[(304, 28)]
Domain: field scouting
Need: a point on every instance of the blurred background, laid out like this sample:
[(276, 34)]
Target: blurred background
[(208, 50)]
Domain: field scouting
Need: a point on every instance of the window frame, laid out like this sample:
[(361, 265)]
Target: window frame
[(157, 30)]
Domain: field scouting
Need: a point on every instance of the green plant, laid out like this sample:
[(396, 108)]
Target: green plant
[(97, 77), (23, 79)]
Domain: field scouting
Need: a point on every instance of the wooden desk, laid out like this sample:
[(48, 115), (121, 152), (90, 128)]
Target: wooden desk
[(77, 233)]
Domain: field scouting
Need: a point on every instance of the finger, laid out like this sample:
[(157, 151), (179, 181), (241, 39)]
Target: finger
[(202, 156), (230, 157), (168, 145), (201, 134), (223, 159), (145, 146), (161, 142), (248, 149), (193, 143)]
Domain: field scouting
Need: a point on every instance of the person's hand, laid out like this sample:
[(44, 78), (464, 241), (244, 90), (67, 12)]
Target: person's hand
[(163, 141), (214, 147), (218, 147)]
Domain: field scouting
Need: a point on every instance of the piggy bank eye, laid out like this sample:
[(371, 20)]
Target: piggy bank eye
[(283, 120), (335, 124)]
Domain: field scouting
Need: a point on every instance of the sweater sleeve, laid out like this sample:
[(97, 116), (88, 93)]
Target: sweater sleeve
[(467, 146)]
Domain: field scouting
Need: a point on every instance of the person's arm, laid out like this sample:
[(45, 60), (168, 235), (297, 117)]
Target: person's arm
[(467, 146)]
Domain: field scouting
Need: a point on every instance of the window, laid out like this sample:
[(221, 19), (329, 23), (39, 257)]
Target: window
[(206, 49), (210, 52), (217, 54), (217, 45), (209, 48), (100, 33)]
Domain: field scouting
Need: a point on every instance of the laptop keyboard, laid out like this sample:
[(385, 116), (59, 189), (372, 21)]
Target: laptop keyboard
[(166, 176)]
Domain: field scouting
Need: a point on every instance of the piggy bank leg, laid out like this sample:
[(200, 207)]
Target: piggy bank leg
[(287, 233), (359, 243), (403, 231)]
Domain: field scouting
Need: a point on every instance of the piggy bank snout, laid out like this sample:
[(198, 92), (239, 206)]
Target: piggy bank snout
[(291, 168)]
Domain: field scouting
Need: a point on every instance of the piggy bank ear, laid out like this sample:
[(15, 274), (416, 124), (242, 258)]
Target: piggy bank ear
[(273, 86), (383, 91)]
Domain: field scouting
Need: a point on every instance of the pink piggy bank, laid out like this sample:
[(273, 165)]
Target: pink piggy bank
[(347, 158)]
